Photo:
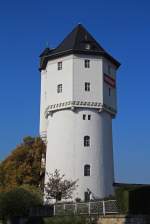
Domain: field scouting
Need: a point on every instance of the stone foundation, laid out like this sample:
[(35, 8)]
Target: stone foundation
[(124, 219)]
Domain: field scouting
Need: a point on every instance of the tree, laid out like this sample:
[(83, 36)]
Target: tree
[(23, 165), (18, 201), (59, 188)]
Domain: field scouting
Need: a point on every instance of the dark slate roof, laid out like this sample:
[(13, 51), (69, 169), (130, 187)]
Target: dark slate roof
[(45, 52), (128, 185), (75, 43)]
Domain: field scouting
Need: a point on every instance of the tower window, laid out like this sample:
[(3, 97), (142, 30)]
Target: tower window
[(87, 170), (59, 65), (86, 141), (87, 46), (87, 63), (59, 88), (87, 86), (89, 117), (84, 116)]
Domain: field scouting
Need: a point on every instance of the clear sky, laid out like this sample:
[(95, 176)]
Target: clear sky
[(121, 27)]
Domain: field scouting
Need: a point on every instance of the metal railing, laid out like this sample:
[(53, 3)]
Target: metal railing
[(69, 209), (89, 208)]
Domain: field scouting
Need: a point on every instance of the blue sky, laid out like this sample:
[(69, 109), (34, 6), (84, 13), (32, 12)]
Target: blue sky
[(121, 27)]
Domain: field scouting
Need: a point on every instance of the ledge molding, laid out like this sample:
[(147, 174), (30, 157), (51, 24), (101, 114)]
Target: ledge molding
[(73, 105)]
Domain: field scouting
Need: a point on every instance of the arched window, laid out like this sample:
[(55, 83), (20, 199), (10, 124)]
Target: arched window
[(87, 170), (86, 140)]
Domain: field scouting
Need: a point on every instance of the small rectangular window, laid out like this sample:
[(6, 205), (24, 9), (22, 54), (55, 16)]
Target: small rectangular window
[(86, 141), (84, 116), (59, 88), (87, 86), (87, 63), (89, 117), (59, 65), (87, 46), (87, 171)]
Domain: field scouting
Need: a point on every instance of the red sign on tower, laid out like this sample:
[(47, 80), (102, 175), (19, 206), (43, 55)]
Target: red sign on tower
[(110, 81)]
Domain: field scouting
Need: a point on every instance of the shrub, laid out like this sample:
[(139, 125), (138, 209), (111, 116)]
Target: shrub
[(122, 197), (17, 202)]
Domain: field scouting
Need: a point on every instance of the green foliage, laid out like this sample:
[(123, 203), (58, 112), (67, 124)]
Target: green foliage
[(122, 196), (59, 188), (66, 220), (133, 199), (18, 201), (23, 165)]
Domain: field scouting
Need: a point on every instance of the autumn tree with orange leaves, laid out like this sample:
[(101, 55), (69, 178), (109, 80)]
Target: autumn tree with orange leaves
[(23, 165)]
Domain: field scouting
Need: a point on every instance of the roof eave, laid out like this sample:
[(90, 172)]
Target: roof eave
[(47, 58)]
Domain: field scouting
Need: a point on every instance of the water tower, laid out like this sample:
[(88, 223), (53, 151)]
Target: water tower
[(78, 103)]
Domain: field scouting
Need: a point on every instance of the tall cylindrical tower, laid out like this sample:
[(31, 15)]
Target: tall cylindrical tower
[(78, 102)]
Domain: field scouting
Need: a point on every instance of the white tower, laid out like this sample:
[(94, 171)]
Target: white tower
[(78, 102)]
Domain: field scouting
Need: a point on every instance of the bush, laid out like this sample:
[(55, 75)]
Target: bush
[(133, 199), (122, 197), (17, 202)]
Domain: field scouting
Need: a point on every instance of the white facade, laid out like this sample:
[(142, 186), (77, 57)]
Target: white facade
[(62, 123)]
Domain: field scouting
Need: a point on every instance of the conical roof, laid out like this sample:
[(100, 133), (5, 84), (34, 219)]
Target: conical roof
[(79, 41)]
